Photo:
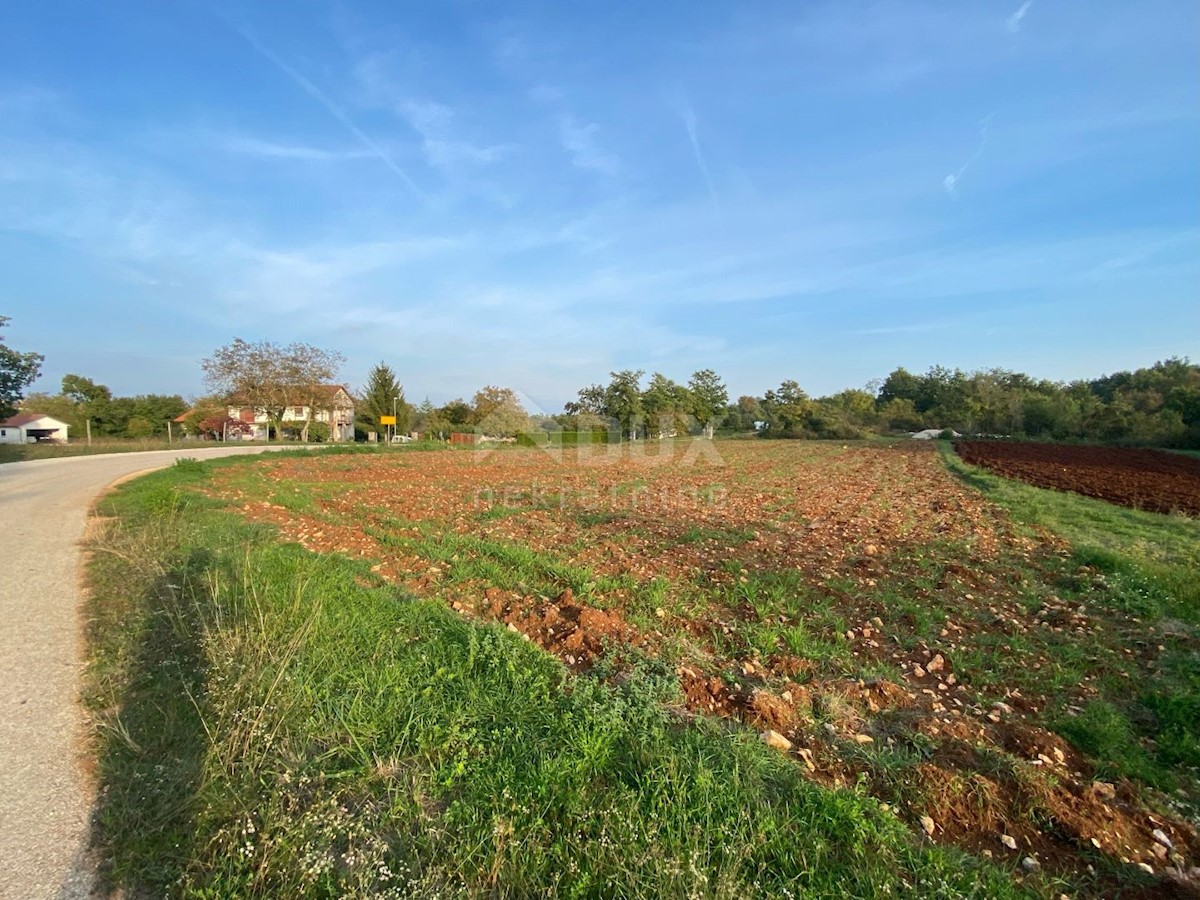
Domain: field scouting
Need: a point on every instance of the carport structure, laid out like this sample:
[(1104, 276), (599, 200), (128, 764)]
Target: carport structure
[(31, 427)]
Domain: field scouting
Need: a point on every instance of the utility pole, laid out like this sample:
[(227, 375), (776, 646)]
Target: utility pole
[(394, 400), (170, 437), (88, 420)]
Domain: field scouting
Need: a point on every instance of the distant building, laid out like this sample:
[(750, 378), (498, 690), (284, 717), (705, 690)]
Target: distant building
[(32, 427), (932, 434), (335, 408)]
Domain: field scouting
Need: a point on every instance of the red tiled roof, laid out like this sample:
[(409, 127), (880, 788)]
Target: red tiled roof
[(24, 418)]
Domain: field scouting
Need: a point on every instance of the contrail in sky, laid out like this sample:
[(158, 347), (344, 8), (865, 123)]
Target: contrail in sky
[(332, 108)]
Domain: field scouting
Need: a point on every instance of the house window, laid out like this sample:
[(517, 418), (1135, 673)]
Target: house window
[(298, 411), (3, 432)]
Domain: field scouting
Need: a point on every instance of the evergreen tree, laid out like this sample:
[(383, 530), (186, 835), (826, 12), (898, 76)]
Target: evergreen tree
[(381, 395)]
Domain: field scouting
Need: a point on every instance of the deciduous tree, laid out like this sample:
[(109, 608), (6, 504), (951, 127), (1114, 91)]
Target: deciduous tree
[(17, 372), (709, 397), (457, 413), (430, 421), (499, 412), (94, 404), (270, 377), (209, 418), (623, 400), (667, 405), (591, 407), (155, 410), (745, 414), (787, 408)]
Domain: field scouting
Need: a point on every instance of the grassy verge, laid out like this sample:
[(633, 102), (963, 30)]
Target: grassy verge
[(1149, 567), (271, 722), (22, 452)]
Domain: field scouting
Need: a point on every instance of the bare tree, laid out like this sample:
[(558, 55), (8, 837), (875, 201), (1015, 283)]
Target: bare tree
[(270, 378)]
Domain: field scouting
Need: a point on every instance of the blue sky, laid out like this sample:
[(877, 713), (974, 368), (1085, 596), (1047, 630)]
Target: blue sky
[(534, 194)]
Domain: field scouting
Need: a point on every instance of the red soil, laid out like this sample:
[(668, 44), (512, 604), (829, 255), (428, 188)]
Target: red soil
[(840, 517), (1143, 479)]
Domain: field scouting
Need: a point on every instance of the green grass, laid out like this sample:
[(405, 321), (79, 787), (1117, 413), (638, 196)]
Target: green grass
[(274, 723), (22, 452), (1089, 524), (1145, 571), (727, 536), (764, 613)]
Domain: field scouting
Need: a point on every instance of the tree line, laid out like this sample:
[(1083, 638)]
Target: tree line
[(662, 408), (1157, 405), (82, 404)]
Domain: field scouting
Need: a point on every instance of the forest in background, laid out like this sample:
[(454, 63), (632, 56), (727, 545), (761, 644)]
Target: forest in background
[(1158, 405), (1154, 406)]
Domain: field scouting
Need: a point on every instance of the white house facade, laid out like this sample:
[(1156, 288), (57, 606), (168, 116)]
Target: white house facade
[(30, 428), (335, 409)]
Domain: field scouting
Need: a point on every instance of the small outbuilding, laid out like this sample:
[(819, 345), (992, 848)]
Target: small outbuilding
[(32, 428), (932, 434)]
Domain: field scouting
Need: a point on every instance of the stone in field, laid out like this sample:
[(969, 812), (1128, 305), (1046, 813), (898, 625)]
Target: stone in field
[(776, 740)]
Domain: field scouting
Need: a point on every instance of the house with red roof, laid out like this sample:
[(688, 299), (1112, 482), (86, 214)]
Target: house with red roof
[(334, 407), (32, 428)]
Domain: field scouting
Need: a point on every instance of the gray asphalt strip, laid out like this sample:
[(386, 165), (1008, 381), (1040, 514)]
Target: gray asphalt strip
[(45, 796)]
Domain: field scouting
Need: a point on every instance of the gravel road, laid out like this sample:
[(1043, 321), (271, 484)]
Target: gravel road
[(45, 800)]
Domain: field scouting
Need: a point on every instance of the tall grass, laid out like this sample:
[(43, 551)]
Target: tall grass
[(20, 452)]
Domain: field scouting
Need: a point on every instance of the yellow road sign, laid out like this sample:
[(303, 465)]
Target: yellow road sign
[(387, 420)]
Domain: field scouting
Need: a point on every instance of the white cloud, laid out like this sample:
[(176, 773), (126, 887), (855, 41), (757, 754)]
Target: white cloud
[(442, 147), (249, 146), (579, 140), (271, 281), (1015, 20), (449, 155), (426, 116), (443, 143)]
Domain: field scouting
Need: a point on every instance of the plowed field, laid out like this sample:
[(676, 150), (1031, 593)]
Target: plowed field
[(1142, 479), (859, 607)]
